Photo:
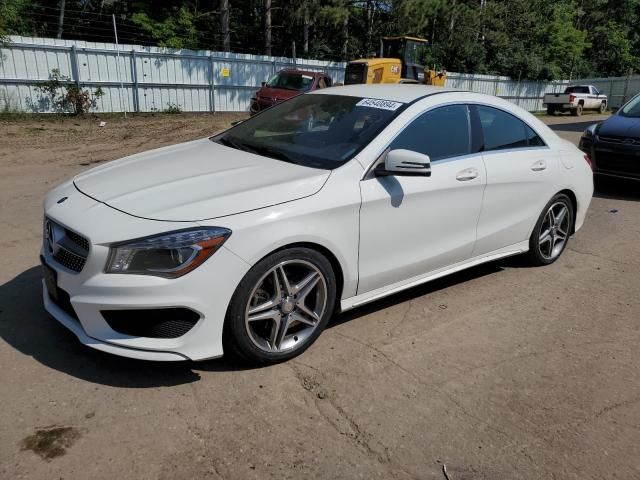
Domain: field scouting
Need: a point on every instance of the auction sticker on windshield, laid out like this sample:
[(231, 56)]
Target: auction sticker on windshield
[(376, 103)]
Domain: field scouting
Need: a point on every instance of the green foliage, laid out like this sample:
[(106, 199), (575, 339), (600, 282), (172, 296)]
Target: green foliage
[(528, 39), (174, 29), (63, 96), (172, 108)]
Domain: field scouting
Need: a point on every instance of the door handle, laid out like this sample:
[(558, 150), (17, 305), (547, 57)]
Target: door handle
[(539, 166), (467, 174)]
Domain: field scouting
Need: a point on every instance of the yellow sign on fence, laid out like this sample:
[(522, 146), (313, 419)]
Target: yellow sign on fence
[(225, 72)]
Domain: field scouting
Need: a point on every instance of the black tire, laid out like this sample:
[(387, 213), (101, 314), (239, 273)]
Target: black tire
[(551, 111), (603, 107), (536, 256), (577, 112), (237, 337)]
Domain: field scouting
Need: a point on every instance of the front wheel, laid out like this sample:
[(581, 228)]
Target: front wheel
[(551, 233), (281, 306)]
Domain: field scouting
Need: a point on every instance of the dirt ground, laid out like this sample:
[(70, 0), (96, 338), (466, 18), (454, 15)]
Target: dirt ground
[(500, 372)]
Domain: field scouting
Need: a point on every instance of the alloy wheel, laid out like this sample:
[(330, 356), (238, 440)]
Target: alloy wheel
[(286, 306), (554, 231)]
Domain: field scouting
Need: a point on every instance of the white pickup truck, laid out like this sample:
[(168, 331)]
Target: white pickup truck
[(575, 99)]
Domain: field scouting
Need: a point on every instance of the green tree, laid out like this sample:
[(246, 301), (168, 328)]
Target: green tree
[(566, 43)]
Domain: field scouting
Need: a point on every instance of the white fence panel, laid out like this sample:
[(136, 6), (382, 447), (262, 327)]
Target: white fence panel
[(155, 79)]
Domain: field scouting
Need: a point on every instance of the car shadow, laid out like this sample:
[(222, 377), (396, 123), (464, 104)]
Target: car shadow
[(27, 327), (419, 291), (617, 188), (573, 126)]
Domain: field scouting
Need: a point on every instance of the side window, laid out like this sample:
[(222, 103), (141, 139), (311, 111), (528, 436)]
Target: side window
[(502, 130), (440, 133)]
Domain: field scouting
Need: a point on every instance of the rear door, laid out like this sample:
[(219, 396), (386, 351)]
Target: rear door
[(520, 171)]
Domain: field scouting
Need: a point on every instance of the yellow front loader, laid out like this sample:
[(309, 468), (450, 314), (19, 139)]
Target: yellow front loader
[(399, 62)]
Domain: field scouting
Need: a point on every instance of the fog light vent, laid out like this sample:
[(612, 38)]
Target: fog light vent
[(152, 323)]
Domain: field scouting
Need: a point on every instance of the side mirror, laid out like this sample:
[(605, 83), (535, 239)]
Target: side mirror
[(405, 163), (262, 84)]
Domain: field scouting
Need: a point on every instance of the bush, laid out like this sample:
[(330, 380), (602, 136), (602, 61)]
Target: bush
[(172, 108), (64, 96)]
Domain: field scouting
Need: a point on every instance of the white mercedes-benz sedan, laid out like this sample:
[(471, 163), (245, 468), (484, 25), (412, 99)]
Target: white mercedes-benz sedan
[(249, 241)]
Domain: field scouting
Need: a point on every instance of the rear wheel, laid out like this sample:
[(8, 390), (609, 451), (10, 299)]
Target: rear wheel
[(551, 110), (576, 112), (281, 306), (603, 107), (551, 233)]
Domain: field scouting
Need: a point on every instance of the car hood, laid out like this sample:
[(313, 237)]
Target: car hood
[(196, 181), (277, 93), (620, 126)]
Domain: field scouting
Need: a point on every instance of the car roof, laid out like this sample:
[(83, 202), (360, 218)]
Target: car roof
[(303, 72), (404, 93)]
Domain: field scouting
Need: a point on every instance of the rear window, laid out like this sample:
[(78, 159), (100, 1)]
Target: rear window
[(501, 130), (577, 90)]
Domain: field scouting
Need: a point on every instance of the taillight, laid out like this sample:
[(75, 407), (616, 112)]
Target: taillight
[(571, 98), (587, 159)]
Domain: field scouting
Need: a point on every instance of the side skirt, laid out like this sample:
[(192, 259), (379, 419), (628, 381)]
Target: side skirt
[(358, 300)]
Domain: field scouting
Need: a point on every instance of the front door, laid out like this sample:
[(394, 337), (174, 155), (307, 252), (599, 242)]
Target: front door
[(411, 226)]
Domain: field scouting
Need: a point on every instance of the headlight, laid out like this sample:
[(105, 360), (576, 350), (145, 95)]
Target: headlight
[(168, 255), (590, 131)]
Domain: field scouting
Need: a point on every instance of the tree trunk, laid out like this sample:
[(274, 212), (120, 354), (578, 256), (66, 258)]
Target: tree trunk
[(267, 27), (61, 18), (305, 32), (345, 36), (370, 12), (452, 21), (224, 20)]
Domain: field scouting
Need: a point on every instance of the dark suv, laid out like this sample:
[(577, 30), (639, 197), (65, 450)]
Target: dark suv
[(286, 84)]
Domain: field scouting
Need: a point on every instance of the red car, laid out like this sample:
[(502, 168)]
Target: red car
[(286, 84)]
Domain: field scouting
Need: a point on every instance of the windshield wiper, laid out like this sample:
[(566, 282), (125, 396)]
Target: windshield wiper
[(227, 142), (271, 153)]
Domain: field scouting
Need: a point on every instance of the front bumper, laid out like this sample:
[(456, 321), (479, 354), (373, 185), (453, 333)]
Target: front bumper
[(206, 290), (612, 159)]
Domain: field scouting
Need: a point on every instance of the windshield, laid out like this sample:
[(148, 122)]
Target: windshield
[(577, 90), (631, 109), (291, 81), (320, 131)]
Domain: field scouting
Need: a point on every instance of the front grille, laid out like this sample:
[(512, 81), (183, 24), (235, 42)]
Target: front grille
[(152, 323), (66, 247), (618, 162), (79, 240), (619, 140)]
